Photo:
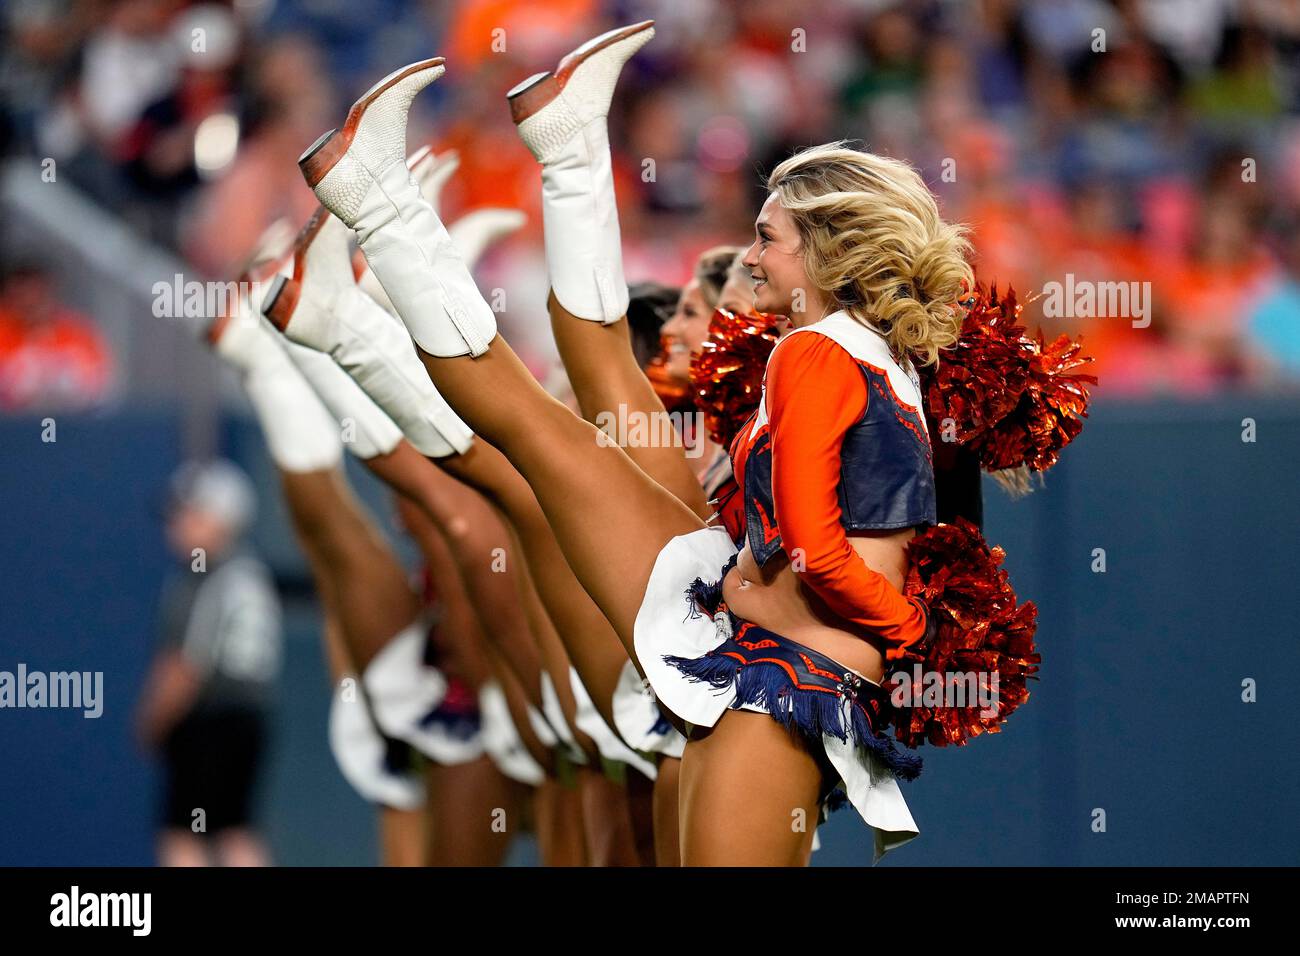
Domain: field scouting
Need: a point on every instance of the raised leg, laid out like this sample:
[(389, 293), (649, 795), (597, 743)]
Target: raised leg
[(478, 541), (561, 117), (555, 660), (609, 517), (485, 550), (373, 599), (608, 382), (593, 644)]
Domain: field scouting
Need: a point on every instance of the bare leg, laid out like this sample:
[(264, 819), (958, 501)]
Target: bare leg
[(557, 813), (401, 837), (336, 651), (484, 545), (478, 539), (374, 600), (480, 660), (401, 832), (749, 795), (640, 806), (464, 801), (517, 704), (604, 374), (606, 820), (458, 638), (592, 644), (609, 517), (555, 660), (240, 846), (667, 812), (181, 848)]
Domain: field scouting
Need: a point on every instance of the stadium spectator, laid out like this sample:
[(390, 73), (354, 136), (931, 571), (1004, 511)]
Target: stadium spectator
[(52, 358)]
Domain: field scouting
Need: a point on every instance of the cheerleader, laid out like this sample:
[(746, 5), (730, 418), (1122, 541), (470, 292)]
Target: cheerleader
[(372, 621), (793, 631), (328, 313), (321, 307)]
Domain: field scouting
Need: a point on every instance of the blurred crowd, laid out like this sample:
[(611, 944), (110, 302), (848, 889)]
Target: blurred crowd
[(1144, 141)]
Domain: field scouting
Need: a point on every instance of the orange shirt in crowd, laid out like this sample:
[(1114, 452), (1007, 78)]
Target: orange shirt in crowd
[(60, 363)]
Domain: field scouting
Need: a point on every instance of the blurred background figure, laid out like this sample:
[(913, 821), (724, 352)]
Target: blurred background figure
[(209, 692), (52, 358)]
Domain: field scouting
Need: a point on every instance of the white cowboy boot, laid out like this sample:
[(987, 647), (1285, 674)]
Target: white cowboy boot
[(359, 173), (300, 434), (320, 307), (472, 234), (273, 245), (365, 429), (561, 119), (477, 231), (431, 174)]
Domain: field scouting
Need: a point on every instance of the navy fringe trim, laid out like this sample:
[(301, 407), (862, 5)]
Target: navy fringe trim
[(705, 596), (811, 713)]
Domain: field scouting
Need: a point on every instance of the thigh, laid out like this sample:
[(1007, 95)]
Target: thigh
[(610, 386), (598, 529), (749, 795)]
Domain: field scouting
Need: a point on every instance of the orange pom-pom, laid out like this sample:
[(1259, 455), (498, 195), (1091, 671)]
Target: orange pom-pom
[(1013, 400), (727, 374), (980, 636)]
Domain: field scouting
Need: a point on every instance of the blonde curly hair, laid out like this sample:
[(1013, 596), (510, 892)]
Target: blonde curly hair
[(873, 240)]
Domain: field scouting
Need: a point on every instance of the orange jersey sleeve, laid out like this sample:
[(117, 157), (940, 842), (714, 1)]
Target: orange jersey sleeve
[(816, 393)]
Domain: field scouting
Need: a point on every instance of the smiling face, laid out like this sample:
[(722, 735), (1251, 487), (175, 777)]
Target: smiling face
[(686, 331), (775, 261)]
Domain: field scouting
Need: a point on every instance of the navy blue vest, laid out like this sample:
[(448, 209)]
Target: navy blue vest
[(886, 471)]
